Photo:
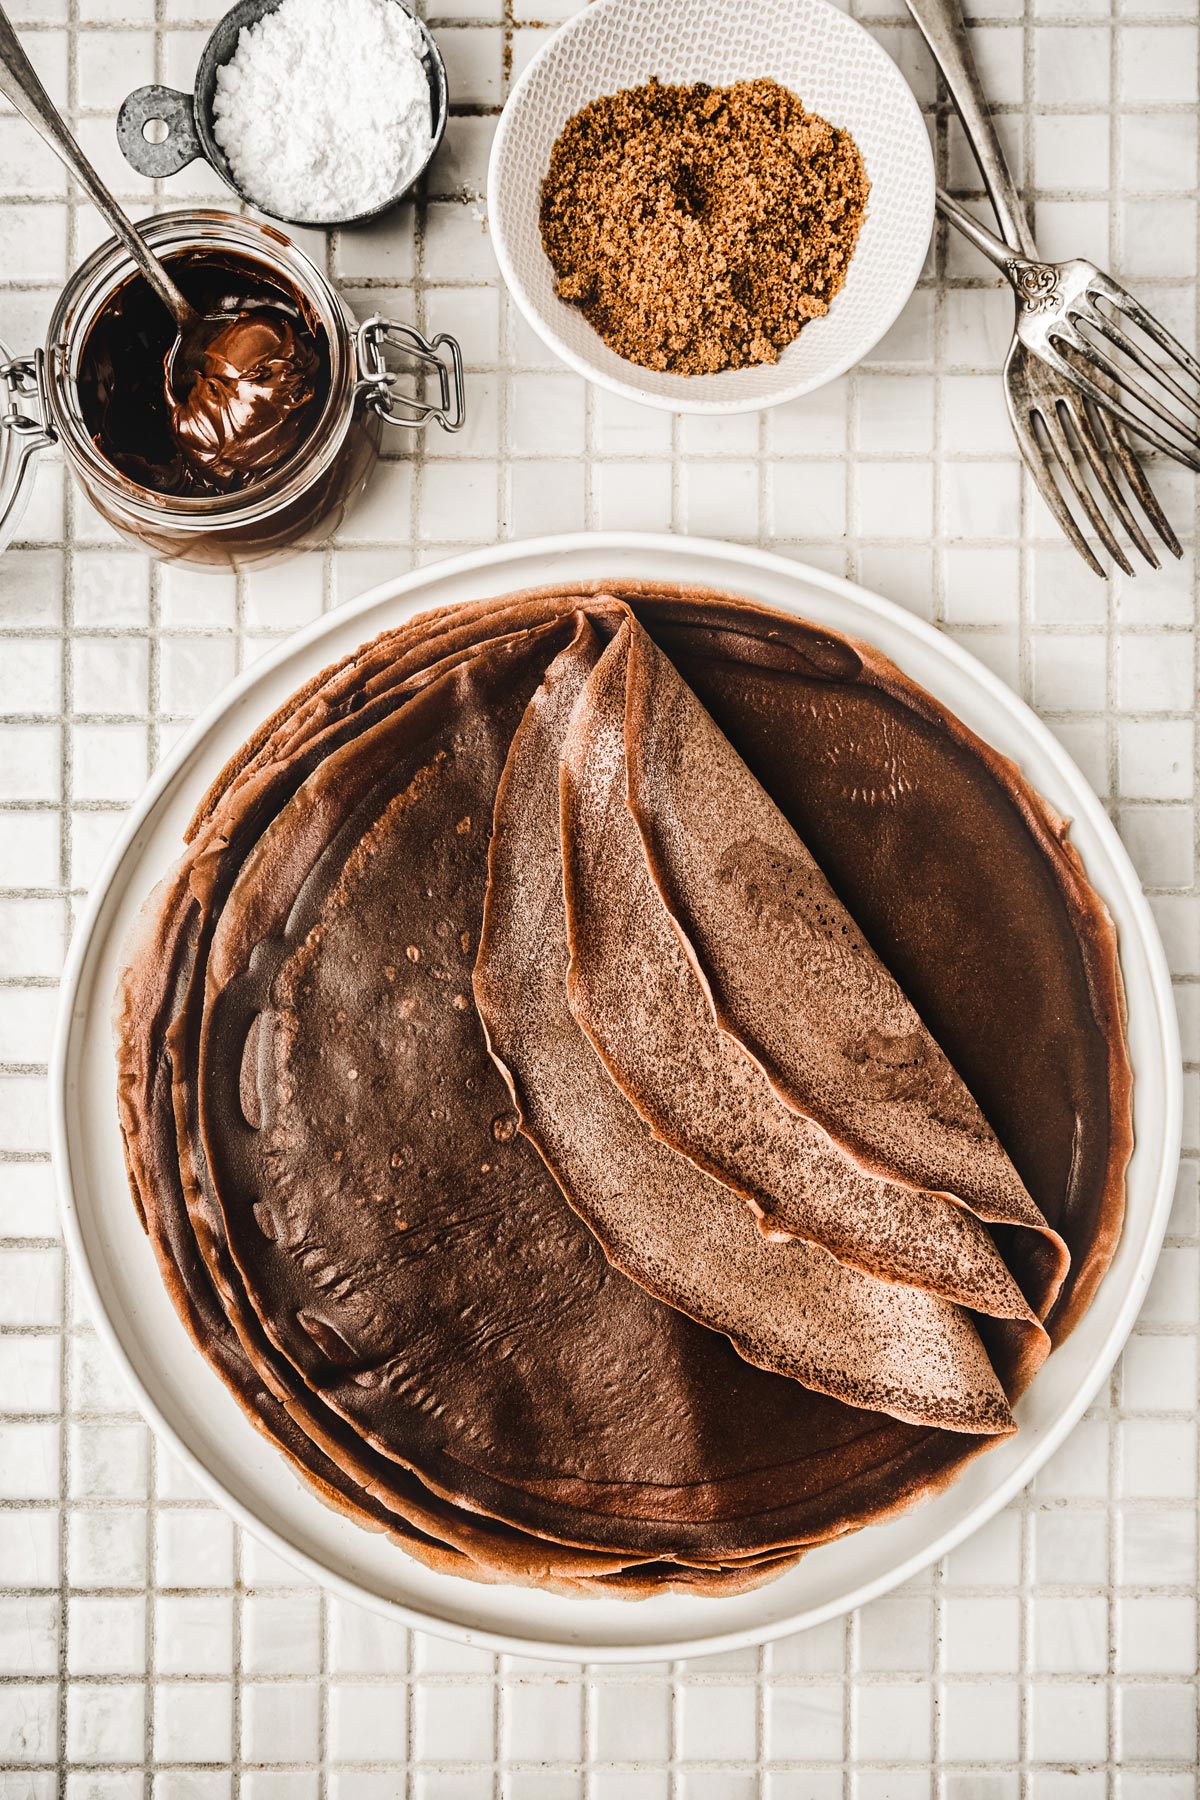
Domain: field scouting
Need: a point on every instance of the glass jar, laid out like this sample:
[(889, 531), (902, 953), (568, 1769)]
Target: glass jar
[(293, 506)]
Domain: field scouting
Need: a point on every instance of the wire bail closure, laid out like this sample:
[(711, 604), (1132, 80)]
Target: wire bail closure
[(439, 357), (21, 382)]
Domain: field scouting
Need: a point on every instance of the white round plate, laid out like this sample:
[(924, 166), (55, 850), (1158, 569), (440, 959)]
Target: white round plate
[(835, 68), (188, 1404)]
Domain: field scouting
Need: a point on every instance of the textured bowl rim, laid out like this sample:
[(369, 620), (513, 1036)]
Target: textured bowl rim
[(922, 231), (731, 567)]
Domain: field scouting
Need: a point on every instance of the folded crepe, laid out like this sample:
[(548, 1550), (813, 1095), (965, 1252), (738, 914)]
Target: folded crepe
[(790, 1307), (522, 1385)]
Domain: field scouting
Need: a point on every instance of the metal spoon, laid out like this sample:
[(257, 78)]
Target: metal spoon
[(19, 83)]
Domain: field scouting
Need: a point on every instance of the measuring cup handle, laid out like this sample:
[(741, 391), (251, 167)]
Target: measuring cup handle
[(170, 107)]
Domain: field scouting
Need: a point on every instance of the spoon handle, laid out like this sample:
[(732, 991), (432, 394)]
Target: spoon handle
[(944, 30), (19, 83)]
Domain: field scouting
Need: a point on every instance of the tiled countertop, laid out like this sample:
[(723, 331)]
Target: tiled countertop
[(146, 1646)]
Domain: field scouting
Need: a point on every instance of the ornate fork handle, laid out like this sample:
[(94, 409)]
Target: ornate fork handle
[(1035, 283)]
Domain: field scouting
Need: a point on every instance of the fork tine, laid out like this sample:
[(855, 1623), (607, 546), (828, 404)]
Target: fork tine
[(1113, 435), (1105, 479), (1138, 355), (1107, 289), (1131, 385), (1068, 461), (1078, 377), (1035, 462)]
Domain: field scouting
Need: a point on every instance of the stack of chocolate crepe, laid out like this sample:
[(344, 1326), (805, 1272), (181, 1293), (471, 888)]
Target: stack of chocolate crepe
[(624, 1087)]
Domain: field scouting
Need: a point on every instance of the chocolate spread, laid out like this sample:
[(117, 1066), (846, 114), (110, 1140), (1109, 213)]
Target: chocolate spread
[(255, 399)]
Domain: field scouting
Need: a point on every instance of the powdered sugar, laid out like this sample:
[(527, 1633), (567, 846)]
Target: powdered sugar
[(323, 110)]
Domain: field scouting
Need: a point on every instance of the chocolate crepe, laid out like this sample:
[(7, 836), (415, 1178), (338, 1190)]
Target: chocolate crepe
[(478, 1376)]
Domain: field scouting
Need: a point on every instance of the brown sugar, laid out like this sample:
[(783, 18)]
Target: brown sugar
[(700, 228)]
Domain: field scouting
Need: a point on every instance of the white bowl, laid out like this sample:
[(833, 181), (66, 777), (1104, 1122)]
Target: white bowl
[(186, 1400), (835, 68)]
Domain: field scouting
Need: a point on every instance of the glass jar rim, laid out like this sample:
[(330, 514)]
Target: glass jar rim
[(94, 282)]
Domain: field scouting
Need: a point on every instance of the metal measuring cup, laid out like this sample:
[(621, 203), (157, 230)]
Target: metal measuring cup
[(180, 125)]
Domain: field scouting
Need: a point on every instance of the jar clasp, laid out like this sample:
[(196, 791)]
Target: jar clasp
[(21, 381), (438, 358)]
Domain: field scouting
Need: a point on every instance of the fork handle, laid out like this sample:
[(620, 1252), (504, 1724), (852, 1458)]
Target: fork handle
[(985, 241), (944, 30)]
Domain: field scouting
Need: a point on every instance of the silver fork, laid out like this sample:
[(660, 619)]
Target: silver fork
[(1076, 403), (1077, 414)]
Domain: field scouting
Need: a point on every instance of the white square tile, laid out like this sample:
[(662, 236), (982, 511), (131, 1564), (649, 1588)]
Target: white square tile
[(736, 434), (1157, 1722), (633, 496), (1079, 1470), (1071, 65), (974, 418), (1155, 674), (547, 415), (364, 1643), (1072, 152), (1160, 841), (29, 1635), (894, 500), (193, 1721), (1153, 240), (981, 1634), (452, 1722), (473, 64), (108, 1460), (460, 503), (623, 428), (105, 1723), (1070, 673), (1154, 63), (194, 1548), (30, 849), (542, 1721), (1068, 1721), (193, 1634), (721, 499), (281, 1633), (805, 1723), (894, 414), (110, 762), (1155, 759), (1070, 1636), (1158, 1459), (106, 1549), (1158, 1374), (280, 1721), (894, 1722), (1156, 1635), (896, 1634), (31, 676), (981, 1721), (106, 1636), (631, 1721), (1155, 149), (820, 1651), (367, 1724), (901, 572), (30, 1374), (110, 675), (546, 497), (28, 1726), (813, 426), (1071, 1548), (807, 500)]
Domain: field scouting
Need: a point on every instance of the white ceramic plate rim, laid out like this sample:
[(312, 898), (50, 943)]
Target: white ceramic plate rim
[(733, 567), (922, 229)]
